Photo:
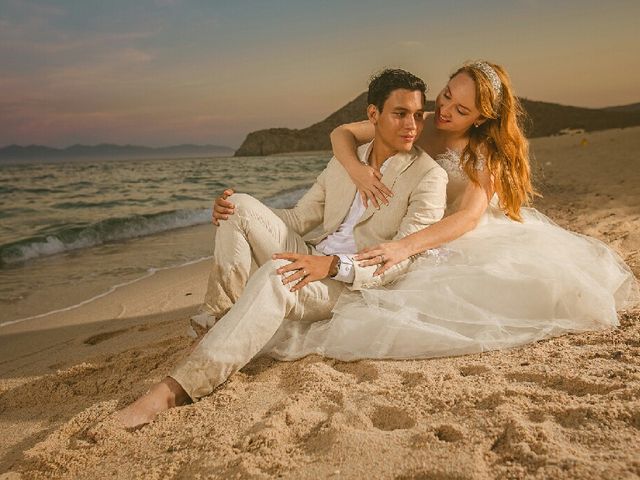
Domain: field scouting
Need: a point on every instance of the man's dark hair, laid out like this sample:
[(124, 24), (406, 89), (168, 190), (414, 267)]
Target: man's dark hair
[(390, 79)]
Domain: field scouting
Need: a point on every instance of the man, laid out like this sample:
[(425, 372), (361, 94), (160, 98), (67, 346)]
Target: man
[(298, 279)]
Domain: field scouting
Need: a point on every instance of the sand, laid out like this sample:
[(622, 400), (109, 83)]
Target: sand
[(568, 407)]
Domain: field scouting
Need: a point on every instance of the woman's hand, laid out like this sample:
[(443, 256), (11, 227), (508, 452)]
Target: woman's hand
[(307, 268), (344, 143), (222, 207), (367, 181), (386, 255)]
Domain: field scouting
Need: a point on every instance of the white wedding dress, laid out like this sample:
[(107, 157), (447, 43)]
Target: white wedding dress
[(501, 285)]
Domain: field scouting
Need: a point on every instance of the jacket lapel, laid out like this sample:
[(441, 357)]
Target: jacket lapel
[(395, 166), (346, 191), (343, 191)]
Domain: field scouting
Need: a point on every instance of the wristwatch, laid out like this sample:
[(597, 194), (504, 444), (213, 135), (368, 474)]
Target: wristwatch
[(337, 265)]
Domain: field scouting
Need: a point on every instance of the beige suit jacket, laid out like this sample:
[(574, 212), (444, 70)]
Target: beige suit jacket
[(418, 184)]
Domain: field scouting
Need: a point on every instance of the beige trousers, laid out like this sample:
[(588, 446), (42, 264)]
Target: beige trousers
[(250, 308)]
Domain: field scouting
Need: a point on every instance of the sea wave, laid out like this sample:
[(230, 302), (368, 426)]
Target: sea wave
[(74, 237), (109, 230), (286, 198)]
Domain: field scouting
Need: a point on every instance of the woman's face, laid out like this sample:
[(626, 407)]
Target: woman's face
[(456, 109)]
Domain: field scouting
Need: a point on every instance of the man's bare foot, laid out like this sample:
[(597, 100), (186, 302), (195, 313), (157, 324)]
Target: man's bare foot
[(162, 396)]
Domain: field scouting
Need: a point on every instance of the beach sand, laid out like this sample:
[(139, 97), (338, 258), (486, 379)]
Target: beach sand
[(568, 407)]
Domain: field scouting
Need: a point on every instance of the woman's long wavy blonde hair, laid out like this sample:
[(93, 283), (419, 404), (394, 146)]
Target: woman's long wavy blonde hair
[(501, 140)]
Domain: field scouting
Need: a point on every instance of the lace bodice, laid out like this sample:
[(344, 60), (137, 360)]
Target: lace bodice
[(451, 162), (458, 179)]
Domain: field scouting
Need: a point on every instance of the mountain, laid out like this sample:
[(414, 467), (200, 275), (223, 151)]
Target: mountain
[(315, 137), (551, 118), (632, 107), (111, 151), (544, 119)]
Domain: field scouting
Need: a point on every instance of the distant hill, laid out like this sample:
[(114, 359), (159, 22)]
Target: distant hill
[(633, 107), (111, 151), (315, 137), (551, 118), (544, 119)]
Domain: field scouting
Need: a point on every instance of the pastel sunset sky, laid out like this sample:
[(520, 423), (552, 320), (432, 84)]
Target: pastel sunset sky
[(162, 72)]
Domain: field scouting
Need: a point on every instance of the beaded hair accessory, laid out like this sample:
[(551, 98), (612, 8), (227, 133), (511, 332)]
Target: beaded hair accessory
[(494, 80)]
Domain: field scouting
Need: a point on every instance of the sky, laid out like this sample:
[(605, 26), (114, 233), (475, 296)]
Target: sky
[(164, 72)]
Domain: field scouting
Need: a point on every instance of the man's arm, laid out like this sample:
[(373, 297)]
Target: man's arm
[(426, 207)]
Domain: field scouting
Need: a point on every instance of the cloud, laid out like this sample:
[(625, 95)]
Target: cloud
[(33, 36)]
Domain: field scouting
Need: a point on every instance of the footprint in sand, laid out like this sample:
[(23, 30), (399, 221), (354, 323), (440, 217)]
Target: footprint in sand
[(537, 416), (336, 397), (389, 418), (573, 386), (431, 474), (491, 401), (449, 433), (101, 337), (632, 418), (412, 379), (577, 417), (474, 370), (363, 371)]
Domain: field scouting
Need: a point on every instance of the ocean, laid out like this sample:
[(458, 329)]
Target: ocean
[(99, 224)]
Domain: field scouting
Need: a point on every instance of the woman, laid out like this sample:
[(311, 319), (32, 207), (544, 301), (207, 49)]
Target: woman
[(492, 274)]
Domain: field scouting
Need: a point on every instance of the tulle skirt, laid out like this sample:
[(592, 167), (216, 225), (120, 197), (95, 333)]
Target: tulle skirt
[(501, 285)]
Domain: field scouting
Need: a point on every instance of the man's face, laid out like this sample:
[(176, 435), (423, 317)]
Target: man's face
[(401, 120)]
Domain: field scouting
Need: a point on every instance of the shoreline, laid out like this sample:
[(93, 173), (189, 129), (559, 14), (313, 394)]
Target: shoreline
[(112, 289), (133, 298), (165, 294), (47, 285)]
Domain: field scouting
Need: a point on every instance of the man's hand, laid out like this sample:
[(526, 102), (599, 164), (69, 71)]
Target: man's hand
[(222, 208), (308, 268)]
